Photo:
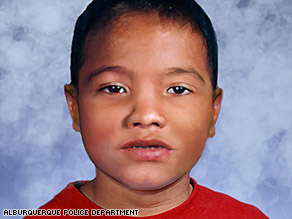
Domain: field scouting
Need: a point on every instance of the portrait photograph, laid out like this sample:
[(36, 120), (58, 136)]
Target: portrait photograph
[(154, 108)]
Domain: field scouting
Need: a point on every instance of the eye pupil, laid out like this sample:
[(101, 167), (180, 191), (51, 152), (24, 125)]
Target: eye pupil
[(114, 88), (179, 89)]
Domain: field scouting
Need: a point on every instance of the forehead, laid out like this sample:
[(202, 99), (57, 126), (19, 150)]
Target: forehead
[(138, 39), (152, 19), (137, 23)]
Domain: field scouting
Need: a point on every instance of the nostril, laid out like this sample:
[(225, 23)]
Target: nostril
[(136, 124), (139, 124)]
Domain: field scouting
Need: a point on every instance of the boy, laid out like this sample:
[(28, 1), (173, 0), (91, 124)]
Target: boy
[(144, 97)]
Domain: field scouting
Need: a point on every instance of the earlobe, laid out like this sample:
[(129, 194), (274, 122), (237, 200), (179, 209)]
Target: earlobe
[(216, 106), (71, 98)]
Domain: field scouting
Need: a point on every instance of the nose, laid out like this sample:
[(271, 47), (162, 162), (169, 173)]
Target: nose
[(146, 112)]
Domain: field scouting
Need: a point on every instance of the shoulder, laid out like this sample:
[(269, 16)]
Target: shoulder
[(224, 206), (69, 198), (64, 199)]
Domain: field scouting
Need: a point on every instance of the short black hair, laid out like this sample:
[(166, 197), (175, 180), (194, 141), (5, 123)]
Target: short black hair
[(100, 13)]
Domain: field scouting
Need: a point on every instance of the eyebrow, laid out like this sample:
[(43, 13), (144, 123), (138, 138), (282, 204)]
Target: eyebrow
[(191, 71), (118, 69), (171, 71)]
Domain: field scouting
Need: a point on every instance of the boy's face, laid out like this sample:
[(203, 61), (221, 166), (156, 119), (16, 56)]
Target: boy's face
[(145, 82)]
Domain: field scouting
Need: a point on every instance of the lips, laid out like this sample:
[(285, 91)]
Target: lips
[(147, 144), (147, 150)]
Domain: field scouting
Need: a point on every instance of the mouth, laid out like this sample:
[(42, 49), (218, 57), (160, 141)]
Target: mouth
[(147, 150), (146, 144), (153, 147)]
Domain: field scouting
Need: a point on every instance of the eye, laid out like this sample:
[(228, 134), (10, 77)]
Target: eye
[(113, 89), (178, 90)]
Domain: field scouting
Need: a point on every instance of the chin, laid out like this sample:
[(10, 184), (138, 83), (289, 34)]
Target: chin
[(147, 183)]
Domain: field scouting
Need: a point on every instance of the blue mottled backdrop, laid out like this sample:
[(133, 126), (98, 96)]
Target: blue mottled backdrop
[(251, 156)]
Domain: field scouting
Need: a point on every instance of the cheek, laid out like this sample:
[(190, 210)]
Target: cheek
[(98, 126), (192, 119), (191, 125)]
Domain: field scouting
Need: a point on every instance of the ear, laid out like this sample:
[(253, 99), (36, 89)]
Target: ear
[(71, 97), (216, 106)]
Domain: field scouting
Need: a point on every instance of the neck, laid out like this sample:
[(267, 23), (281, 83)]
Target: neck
[(110, 194)]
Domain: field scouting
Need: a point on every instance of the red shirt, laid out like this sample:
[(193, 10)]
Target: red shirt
[(202, 203)]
